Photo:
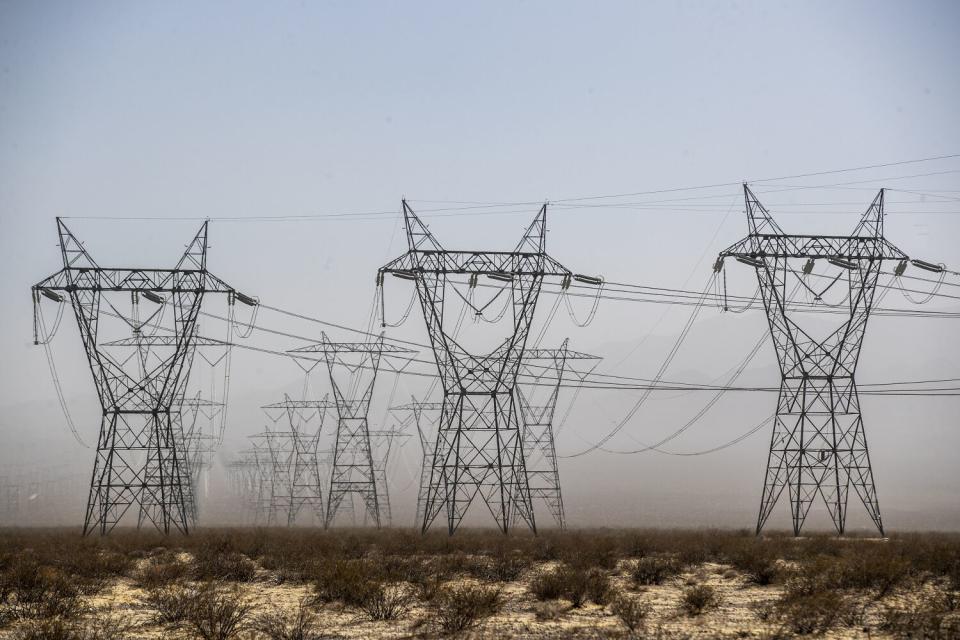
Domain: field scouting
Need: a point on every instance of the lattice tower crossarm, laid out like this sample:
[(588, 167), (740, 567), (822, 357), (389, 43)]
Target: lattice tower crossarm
[(818, 446), (140, 458), (479, 448)]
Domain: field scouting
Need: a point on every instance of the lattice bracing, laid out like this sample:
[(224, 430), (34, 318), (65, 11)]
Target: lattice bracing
[(544, 368), (141, 459), (352, 468), (479, 448), (818, 446)]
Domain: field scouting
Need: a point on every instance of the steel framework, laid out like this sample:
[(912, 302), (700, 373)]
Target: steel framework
[(352, 469), (818, 445), (381, 445), (479, 449), (426, 416), (543, 474), (295, 463), (140, 458)]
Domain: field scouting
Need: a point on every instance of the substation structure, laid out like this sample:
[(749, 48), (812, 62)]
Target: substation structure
[(352, 468), (479, 446), (141, 458), (544, 367), (818, 445)]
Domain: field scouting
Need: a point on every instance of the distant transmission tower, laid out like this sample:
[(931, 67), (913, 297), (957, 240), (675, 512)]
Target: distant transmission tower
[(818, 446), (299, 485), (352, 468), (543, 474), (426, 416), (140, 456), (479, 450), (381, 445)]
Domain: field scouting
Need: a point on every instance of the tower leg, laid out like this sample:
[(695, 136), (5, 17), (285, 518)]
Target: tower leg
[(818, 448)]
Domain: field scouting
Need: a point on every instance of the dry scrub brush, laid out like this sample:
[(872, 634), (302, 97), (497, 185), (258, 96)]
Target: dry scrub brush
[(631, 611), (280, 625), (575, 584), (699, 598), (456, 608)]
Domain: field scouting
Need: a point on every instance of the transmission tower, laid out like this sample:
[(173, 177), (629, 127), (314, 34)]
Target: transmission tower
[(381, 445), (818, 446), (140, 457), (543, 475), (298, 473), (426, 416), (479, 449), (352, 469)]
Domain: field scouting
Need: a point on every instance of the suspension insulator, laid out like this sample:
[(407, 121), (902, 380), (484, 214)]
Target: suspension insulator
[(51, 295), (151, 296), (718, 265), (753, 262), (927, 266), (808, 266), (245, 299), (596, 281), (843, 264), (900, 268)]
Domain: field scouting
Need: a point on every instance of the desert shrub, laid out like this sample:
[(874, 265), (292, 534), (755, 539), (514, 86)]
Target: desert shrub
[(91, 569), (171, 603), (160, 570), (217, 614), (599, 590), (881, 569), (632, 611), (36, 591), (226, 566), (575, 584), (49, 629), (507, 567), (108, 627), (386, 602), (699, 598), (813, 613), (758, 564), (455, 609), (349, 581), (933, 616), (655, 569), (279, 625), (548, 585), (396, 568)]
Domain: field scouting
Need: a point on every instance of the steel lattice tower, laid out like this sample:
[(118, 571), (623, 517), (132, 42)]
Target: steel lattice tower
[(299, 481), (818, 446), (429, 413), (352, 468), (381, 445), (140, 458), (479, 449), (543, 474)]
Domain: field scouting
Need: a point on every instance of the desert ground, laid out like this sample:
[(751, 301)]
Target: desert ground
[(359, 583)]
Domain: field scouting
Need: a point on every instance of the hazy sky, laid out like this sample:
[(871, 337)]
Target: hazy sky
[(294, 109)]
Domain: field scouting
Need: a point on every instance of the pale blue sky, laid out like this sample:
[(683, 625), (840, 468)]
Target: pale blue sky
[(265, 109)]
